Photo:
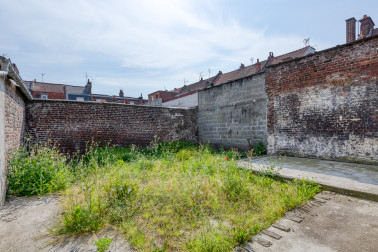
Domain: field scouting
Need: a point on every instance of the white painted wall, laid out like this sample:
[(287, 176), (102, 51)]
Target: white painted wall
[(186, 101)]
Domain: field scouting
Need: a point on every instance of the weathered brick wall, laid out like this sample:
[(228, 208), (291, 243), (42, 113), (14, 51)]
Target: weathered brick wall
[(231, 113), (325, 105), (14, 117), (12, 127), (72, 124)]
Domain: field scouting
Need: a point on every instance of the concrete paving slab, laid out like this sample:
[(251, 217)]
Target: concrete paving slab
[(359, 172), (342, 223), (344, 185)]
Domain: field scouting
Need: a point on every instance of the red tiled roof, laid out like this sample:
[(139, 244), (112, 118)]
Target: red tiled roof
[(45, 87), (288, 56), (197, 85), (239, 73)]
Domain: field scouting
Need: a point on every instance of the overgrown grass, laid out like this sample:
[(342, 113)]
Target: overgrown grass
[(174, 196)]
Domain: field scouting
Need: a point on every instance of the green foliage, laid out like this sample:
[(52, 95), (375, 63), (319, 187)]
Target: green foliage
[(259, 149), (182, 195), (103, 244), (81, 220), (240, 235), (39, 170)]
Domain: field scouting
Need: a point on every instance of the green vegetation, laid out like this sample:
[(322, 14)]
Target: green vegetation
[(174, 196), (103, 244), (40, 170)]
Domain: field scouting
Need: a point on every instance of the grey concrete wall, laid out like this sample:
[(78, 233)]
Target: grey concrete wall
[(231, 113), (183, 102)]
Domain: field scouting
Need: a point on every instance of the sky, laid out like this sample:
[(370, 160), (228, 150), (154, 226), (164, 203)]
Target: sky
[(142, 46)]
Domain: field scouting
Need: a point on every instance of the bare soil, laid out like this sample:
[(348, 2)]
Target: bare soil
[(24, 223)]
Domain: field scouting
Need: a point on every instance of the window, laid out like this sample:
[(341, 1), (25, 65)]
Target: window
[(44, 96), (131, 102), (79, 98)]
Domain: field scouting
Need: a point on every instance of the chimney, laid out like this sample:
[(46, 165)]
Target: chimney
[(242, 66), (350, 29), (120, 93), (258, 66), (88, 87), (367, 24), (270, 54)]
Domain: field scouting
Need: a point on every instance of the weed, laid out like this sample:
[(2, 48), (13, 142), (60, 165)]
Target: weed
[(39, 170), (259, 149), (165, 193), (103, 244)]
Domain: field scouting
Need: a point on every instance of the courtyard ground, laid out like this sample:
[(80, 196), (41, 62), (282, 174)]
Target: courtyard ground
[(330, 222)]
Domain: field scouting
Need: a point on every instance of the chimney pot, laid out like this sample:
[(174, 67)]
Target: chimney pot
[(121, 93), (367, 25)]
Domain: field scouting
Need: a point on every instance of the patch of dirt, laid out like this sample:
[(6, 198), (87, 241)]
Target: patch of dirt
[(24, 222)]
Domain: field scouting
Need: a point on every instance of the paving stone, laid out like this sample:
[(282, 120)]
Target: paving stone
[(281, 227), (293, 218), (262, 241), (320, 200), (248, 248), (272, 234)]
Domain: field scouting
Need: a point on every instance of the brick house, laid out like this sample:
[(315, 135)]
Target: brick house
[(45, 90)]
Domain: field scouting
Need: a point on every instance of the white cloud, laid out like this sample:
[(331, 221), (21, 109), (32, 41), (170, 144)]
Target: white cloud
[(177, 38)]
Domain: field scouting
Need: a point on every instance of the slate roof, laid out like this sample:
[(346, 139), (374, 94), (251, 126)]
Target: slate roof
[(374, 32), (78, 90)]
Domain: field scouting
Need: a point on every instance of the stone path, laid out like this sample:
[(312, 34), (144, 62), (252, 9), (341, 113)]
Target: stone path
[(329, 222)]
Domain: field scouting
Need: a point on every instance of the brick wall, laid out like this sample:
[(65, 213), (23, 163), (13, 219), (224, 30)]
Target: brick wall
[(231, 113), (72, 124), (12, 127), (325, 105), (14, 117), (51, 95)]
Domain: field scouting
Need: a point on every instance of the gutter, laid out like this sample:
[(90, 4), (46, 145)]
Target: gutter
[(11, 73)]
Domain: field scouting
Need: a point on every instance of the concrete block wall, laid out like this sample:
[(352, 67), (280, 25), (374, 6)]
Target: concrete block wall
[(231, 113), (72, 124), (325, 105), (185, 101)]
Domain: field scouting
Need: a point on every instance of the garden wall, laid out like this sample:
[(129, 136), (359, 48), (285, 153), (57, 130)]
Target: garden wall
[(231, 113), (325, 105), (12, 126), (72, 124)]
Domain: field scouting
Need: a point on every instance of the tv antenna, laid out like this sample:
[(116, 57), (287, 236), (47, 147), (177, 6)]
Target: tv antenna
[(306, 41), (251, 59), (42, 76), (200, 75), (209, 72)]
